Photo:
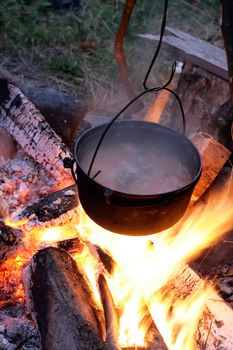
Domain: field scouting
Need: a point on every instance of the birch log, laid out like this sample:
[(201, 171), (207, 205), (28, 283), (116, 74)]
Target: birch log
[(187, 281), (30, 129)]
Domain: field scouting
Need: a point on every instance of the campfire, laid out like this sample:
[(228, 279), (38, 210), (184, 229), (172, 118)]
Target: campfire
[(67, 283)]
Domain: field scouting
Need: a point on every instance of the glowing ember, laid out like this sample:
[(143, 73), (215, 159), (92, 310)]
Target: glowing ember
[(144, 270), (11, 223)]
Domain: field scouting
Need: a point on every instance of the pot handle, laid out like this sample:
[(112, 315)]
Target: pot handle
[(69, 164)]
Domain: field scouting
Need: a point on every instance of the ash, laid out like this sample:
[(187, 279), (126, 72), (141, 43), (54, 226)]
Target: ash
[(17, 331), (22, 181)]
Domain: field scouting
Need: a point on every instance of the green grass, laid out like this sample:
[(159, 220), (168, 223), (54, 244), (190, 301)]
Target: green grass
[(75, 48)]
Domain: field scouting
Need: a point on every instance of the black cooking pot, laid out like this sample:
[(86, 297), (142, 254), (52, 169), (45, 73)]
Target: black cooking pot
[(133, 214)]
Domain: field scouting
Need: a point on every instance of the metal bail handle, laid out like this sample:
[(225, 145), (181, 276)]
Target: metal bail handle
[(69, 164)]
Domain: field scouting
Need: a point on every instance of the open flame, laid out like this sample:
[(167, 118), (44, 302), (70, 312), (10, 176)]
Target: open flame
[(145, 266)]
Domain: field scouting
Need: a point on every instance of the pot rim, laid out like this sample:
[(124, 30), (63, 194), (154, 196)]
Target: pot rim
[(130, 196)]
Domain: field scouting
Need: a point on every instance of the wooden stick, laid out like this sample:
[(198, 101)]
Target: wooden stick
[(111, 319)]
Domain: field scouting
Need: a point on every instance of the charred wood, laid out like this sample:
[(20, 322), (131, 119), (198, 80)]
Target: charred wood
[(9, 238), (106, 259), (76, 245), (62, 302), (72, 245), (30, 129), (110, 314), (8, 234), (52, 207)]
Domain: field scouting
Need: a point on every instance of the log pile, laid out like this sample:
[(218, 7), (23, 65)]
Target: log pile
[(60, 300)]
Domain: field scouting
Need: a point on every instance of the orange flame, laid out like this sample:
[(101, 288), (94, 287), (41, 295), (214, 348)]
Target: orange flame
[(16, 224), (146, 264)]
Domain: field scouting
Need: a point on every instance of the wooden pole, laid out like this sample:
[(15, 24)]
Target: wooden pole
[(119, 52), (226, 23)]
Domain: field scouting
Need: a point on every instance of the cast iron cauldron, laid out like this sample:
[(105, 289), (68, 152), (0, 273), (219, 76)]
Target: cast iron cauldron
[(133, 214)]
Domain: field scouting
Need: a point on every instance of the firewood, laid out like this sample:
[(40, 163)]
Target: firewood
[(214, 155), (201, 94), (106, 259), (222, 252), (50, 208), (111, 318), (9, 238), (186, 282), (60, 299), (7, 234), (75, 245), (63, 112), (30, 129), (72, 245)]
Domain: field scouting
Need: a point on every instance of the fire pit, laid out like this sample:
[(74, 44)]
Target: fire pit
[(86, 287)]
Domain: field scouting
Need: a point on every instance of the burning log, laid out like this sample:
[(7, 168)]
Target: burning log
[(8, 239), (75, 245), (214, 155), (111, 318), (30, 129), (59, 296), (106, 259), (187, 281), (56, 208)]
